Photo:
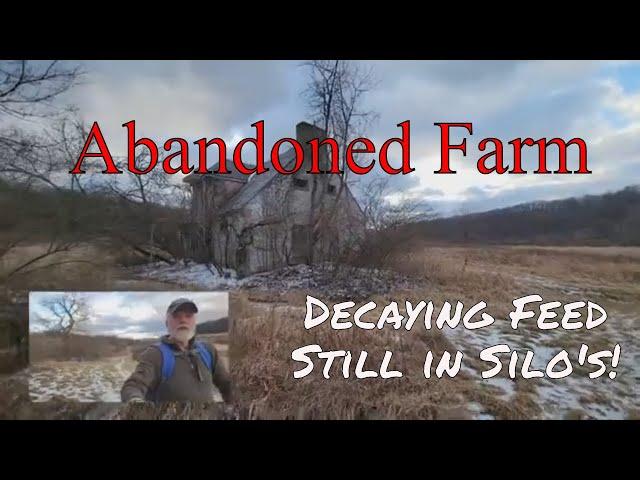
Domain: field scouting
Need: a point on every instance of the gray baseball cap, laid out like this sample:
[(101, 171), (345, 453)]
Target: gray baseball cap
[(182, 304)]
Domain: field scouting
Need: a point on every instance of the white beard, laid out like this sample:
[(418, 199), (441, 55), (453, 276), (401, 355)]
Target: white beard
[(183, 336)]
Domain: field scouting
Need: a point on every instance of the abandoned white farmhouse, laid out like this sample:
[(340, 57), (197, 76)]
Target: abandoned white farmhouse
[(260, 222)]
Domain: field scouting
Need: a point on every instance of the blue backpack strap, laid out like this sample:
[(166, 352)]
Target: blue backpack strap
[(168, 360), (205, 354)]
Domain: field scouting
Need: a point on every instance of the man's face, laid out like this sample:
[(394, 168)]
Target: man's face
[(182, 324)]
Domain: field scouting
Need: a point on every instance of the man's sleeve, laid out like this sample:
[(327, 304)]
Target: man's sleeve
[(145, 377), (221, 377)]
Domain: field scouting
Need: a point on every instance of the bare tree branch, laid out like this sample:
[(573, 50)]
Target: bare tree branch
[(335, 93), (65, 311), (387, 221), (28, 87)]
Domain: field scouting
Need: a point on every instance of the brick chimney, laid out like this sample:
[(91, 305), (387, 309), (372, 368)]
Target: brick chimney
[(306, 132)]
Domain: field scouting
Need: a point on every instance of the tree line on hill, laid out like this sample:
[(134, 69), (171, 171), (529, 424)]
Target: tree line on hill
[(608, 219)]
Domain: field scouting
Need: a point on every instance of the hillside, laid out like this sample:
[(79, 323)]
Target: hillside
[(609, 219), (218, 325), (40, 215)]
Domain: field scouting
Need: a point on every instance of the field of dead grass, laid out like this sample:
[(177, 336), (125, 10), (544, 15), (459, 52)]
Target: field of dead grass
[(80, 377), (46, 346), (609, 276), (268, 325), (265, 332), (263, 336)]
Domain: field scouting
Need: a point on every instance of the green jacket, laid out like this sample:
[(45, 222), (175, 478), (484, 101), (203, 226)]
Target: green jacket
[(191, 380)]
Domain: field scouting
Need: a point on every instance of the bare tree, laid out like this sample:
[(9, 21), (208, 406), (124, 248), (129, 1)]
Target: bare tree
[(64, 312), (334, 95), (181, 196), (50, 256), (43, 158), (69, 137), (388, 221), (148, 227), (28, 88), (152, 187), (27, 159), (27, 92)]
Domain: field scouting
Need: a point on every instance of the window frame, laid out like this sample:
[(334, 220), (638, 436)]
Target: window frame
[(300, 183)]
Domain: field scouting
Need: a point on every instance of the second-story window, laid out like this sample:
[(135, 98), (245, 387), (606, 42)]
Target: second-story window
[(301, 183)]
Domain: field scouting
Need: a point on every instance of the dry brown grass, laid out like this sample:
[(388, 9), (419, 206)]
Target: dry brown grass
[(501, 273), (264, 335), (86, 266), (79, 347), (609, 264), (268, 327)]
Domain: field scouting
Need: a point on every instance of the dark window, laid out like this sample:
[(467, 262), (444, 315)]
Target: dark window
[(241, 258), (246, 237), (331, 189), (301, 183), (300, 236)]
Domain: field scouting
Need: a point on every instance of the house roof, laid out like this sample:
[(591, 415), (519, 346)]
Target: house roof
[(233, 174), (258, 182), (254, 184)]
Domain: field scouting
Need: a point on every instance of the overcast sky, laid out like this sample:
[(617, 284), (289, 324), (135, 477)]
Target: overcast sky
[(129, 314), (597, 101)]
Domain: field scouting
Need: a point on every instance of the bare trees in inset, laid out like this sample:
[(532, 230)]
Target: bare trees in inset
[(64, 312)]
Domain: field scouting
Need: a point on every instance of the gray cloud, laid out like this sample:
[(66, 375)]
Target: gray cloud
[(130, 313), (503, 99)]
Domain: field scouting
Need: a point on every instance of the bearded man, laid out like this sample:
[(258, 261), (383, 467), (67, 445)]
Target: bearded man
[(179, 367)]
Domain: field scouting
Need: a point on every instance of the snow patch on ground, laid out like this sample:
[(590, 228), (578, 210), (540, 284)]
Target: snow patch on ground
[(82, 381), (600, 398), (85, 381), (332, 280), (188, 274)]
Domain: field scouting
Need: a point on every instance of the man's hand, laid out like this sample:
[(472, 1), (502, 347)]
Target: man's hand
[(231, 412)]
